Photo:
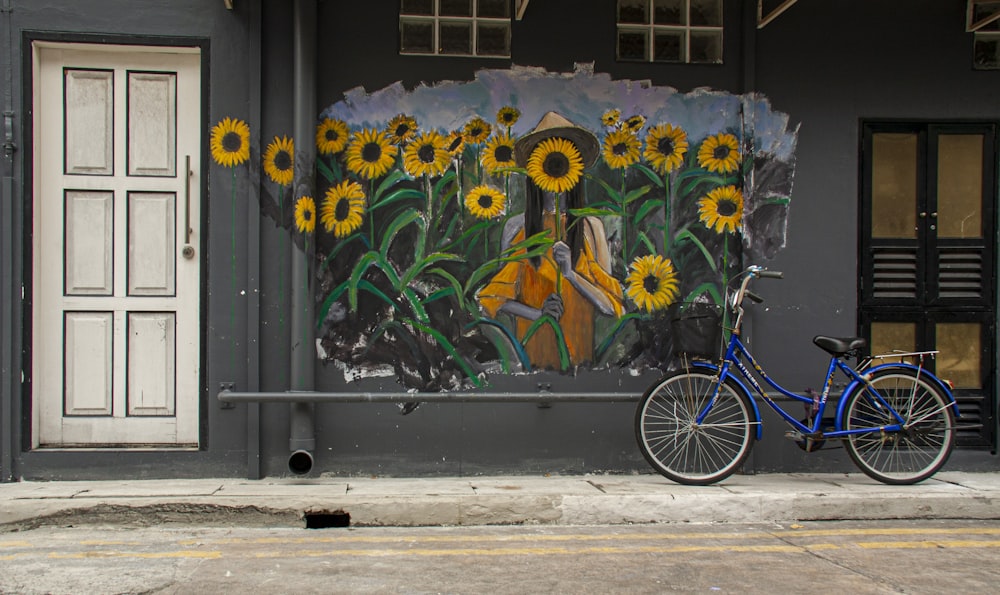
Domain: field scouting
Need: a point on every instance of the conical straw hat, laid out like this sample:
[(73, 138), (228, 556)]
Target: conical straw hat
[(553, 125)]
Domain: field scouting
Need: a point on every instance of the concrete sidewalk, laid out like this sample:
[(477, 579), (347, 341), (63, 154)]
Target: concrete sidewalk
[(558, 500)]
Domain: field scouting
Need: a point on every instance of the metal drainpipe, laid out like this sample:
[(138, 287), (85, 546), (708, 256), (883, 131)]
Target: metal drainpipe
[(302, 431)]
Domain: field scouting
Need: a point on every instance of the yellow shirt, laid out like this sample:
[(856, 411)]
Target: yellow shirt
[(521, 281)]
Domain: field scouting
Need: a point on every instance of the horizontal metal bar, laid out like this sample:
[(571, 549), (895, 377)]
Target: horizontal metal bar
[(406, 397)]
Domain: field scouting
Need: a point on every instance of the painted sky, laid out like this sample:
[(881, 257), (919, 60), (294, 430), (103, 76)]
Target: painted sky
[(582, 96)]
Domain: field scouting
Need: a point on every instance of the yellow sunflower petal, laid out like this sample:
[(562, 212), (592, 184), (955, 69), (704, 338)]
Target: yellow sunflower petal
[(555, 165)]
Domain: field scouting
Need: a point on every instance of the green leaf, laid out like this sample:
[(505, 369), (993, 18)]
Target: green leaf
[(592, 212), (636, 194), (612, 193), (651, 174), (415, 304), (340, 246), (560, 339), (613, 334), (707, 287), (402, 220), (360, 268), (642, 212), (511, 340), (396, 196), (453, 281), (390, 180), (648, 243), (685, 234), (419, 266), (325, 171)]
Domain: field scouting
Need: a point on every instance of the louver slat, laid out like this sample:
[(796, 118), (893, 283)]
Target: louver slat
[(894, 273), (960, 273)]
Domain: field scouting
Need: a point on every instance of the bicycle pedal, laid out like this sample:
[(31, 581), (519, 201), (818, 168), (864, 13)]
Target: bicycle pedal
[(794, 435)]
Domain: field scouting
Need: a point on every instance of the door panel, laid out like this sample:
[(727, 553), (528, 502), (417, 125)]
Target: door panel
[(116, 307)]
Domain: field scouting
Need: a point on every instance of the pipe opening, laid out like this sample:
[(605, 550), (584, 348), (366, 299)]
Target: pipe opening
[(328, 520), (300, 462)]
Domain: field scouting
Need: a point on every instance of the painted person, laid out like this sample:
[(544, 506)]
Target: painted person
[(572, 281)]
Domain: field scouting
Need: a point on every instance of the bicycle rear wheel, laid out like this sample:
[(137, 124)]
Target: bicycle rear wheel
[(918, 450), (683, 450)]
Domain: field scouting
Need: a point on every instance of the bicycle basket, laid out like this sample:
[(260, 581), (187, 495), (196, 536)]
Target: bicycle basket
[(696, 329)]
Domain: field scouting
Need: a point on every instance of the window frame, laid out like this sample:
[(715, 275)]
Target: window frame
[(650, 30), (437, 19)]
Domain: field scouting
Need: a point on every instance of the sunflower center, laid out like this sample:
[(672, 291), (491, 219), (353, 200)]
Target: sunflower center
[(485, 201), (455, 143), (721, 152), (503, 154), (507, 117), (475, 131), (371, 152), (282, 161), (343, 209), (556, 165), (651, 283), (401, 130), (307, 214), (426, 153), (665, 146), (331, 135), (231, 142), (620, 149), (726, 208)]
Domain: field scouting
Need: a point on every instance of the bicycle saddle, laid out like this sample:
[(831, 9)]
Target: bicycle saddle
[(839, 346)]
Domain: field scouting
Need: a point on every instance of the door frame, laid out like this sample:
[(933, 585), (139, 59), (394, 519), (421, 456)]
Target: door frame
[(28, 71), (985, 311)]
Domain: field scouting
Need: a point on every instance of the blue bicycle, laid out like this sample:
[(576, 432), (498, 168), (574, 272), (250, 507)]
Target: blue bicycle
[(696, 425)]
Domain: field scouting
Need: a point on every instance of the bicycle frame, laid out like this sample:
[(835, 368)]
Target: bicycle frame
[(738, 355)]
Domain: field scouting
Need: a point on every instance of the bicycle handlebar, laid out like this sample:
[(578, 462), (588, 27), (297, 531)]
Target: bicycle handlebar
[(771, 274)]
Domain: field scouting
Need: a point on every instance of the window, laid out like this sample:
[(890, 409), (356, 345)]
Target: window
[(684, 31), (984, 20), (455, 28)]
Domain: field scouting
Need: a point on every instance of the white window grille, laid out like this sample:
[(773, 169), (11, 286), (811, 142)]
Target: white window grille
[(479, 28), (684, 31)]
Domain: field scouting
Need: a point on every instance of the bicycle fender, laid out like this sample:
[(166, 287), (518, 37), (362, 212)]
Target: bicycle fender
[(937, 382), (742, 387)]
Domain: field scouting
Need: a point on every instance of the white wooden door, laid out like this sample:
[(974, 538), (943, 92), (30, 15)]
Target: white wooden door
[(115, 334)]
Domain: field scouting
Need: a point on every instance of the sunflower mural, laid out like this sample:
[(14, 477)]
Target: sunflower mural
[(501, 236)]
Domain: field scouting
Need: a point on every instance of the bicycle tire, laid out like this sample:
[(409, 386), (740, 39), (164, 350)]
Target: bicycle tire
[(912, 454), (679, 449)]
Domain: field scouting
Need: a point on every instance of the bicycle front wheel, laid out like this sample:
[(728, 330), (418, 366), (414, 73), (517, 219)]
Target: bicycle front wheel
[(913, 453), (680, 448)]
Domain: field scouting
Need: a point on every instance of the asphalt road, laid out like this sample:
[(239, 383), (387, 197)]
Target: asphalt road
[(857, 557)]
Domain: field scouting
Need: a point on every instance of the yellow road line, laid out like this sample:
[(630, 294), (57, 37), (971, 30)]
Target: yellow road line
[(510, 551)]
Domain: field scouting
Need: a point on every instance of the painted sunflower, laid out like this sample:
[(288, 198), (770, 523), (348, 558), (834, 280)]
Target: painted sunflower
[(611, 117), (722, 209), (499, 153), (555, 165), (720, 153), (455, 143), (279, 162), (427, 154), (653, 283), (331, 136), (476, 131), (635, 123), (621, 149), (401, 129), (305, 214), (343, 208), (485, 202), (370, 154), (665, 147), (230, 142), (507, 116)]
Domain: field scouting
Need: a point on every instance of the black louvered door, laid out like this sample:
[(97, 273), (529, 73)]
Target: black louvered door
[(928, 248)]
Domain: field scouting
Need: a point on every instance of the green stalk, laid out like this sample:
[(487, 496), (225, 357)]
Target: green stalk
[(624, 227), (667, 187)]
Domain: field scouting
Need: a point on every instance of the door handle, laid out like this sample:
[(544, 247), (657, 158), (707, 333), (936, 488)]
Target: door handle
[(188, 250)]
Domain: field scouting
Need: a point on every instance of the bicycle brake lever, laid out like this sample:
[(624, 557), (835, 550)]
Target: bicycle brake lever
[(753, 296)]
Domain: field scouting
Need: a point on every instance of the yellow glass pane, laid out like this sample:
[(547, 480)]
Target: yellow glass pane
[(960, 185), (960, 344), (894, 185), (888, 337)]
